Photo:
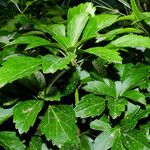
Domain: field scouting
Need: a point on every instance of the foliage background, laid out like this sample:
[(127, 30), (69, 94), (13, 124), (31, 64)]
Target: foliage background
[(87, 89)]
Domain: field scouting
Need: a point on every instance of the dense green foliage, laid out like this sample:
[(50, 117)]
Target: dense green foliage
[(74, 79)]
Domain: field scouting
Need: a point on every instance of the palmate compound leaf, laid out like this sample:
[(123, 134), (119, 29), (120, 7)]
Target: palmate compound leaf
[(53, 63), (105, 140), (10, 141), (135, 140), (32, 41), (58, 125), (110, 55), (17, 67), (25, 114), (90, 106)]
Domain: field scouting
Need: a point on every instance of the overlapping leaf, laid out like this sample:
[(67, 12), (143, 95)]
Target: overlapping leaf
[(10, 141), (90, 106), (58, 125), (17, 67), (100, 88), (25, 114), (31, 41), (98, 23), (53, 63)]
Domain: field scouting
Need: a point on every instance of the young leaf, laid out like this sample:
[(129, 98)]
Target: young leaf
[(90, 106), (5, 114), (17, 67), (53, 63), (10, 141), (116, 106), (106, 139), (58, 125), (130, 40), (98, 23), (35, 143), (135, 140), (25, 114), (135, 96), (109, 55), (100, 88), (76, 26), (31, 41), (82, 8)]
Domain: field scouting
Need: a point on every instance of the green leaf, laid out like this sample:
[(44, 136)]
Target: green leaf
[(134, 77), (53, 63), (130, 40), (116, 106), (76, 26), (113, 33), (102, 124), (5, 114), (58, 125), (109, 55), (35, 143), (98, 23), (90, 106), (135, 140), (100, 88), (31, 41), (137, 13), (143, 113), (25, 114), (118, 145), (86, 143), (128, 124), (82, 8), (132, 110), (135, 96), (52, 29), (17, 67), (10, 141), (106, 139), (63, 41)]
